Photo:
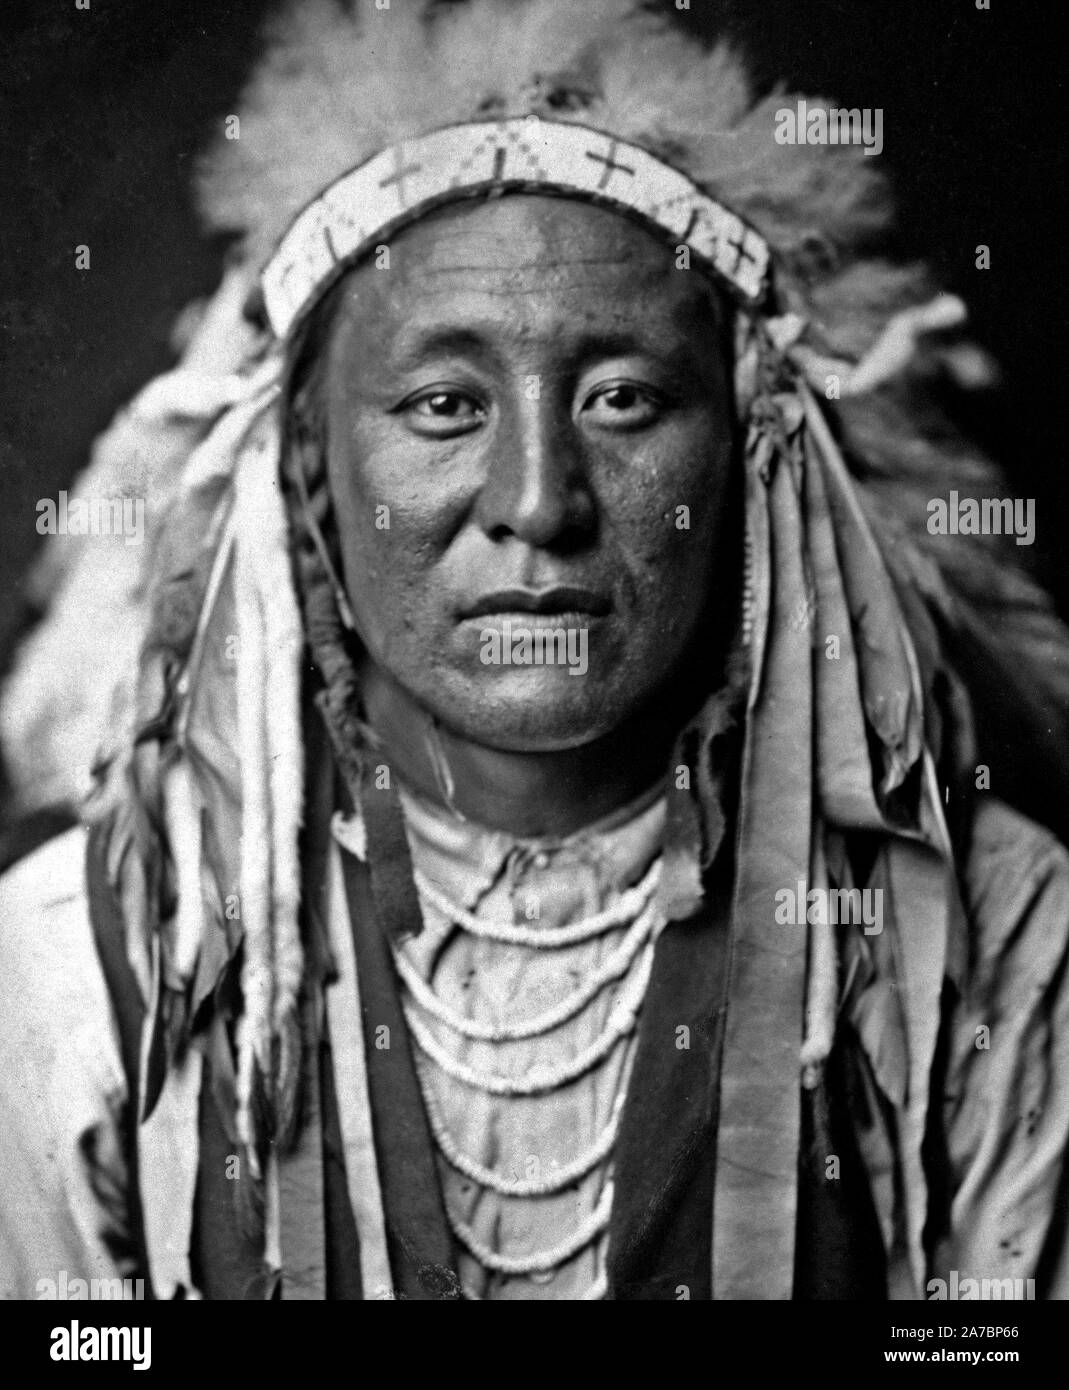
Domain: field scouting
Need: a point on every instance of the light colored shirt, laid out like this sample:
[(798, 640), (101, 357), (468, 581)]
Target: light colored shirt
[(541, 884)]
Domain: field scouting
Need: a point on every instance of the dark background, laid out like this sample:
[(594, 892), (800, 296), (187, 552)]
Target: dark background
[(105, 109)]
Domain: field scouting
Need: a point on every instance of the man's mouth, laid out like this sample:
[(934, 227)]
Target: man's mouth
[(565, 600)]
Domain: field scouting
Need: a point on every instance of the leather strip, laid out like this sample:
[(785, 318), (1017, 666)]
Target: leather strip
[(418, 1239), (664, 1156), (350, 1076), (757, 1150)]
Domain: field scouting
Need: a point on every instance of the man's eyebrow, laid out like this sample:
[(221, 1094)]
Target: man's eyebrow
[(620, 341), (418, 342)]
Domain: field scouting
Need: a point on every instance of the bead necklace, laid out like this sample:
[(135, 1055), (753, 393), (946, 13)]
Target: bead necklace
[(544, 938), (622, 1020), (540, 1261), (615, 965), (631, 961), (556, 1181)]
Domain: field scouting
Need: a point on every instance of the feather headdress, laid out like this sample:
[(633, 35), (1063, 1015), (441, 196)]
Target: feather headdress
[(336, 84)]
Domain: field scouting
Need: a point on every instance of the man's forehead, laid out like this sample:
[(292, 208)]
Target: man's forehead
[(529, 253), (525, 231)]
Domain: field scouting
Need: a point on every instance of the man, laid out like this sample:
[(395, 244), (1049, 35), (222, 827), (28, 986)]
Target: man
[(542, 854)]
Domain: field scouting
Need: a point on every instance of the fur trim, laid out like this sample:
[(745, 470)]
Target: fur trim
[(268, 705)]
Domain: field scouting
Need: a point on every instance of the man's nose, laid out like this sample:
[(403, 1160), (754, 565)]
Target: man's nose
[(536, 487)]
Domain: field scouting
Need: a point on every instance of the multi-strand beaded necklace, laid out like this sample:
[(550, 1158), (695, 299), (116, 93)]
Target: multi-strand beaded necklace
[(625, 968)]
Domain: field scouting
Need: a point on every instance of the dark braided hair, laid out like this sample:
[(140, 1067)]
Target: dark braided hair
[(334, 647)]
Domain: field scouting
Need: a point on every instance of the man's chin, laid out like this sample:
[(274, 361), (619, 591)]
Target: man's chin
[(531, 711)]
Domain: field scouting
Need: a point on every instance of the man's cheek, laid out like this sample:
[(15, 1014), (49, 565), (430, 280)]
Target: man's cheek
[(377, 582), (673, 554)]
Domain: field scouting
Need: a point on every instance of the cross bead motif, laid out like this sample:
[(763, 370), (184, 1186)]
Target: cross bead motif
[(611, 166), (401, 172), (739, 247)]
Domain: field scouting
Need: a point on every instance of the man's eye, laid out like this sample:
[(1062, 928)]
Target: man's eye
[(623, 405), (443, 411)]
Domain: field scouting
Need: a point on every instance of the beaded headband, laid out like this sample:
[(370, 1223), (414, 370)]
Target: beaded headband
[(521, 154)]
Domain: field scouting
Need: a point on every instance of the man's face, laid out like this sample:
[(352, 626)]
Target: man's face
[(529, 428)]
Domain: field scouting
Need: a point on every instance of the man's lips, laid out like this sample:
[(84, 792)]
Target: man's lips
[(559, 598)]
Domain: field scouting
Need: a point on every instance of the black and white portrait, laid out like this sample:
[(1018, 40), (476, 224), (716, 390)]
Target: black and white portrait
[(536, 736)]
